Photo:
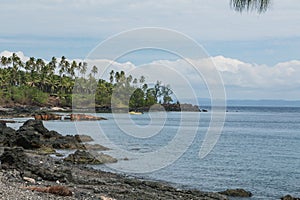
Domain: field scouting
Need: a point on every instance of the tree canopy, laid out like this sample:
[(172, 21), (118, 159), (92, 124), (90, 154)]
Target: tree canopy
[(35, 81)]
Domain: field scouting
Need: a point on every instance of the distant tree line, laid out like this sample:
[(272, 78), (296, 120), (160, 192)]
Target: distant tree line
[(34, 81)]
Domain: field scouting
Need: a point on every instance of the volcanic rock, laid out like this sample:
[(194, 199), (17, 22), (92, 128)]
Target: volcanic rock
[(84, 157), (236, 193)]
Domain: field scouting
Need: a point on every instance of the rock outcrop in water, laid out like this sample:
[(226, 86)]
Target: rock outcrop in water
[(74, 117), (84, 157), (47, 116), (33, 135), (236, 193), (6, 135), (289, 197), (81, 117)]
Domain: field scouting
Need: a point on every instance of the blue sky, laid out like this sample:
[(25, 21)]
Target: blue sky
[(73, 28)]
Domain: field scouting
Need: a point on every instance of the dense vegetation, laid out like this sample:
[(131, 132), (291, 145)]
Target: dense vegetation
[(36, 82)]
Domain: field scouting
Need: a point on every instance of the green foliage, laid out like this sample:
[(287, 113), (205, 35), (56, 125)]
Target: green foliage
[(28, 95), (83, 101), (137, 99), (33, 81)]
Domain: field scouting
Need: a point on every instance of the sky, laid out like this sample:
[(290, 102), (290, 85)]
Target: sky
[(257, 55)]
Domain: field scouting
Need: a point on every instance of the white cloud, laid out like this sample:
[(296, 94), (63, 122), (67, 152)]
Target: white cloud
[(282, 75)]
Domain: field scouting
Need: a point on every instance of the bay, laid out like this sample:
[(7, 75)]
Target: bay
[(258, 150)]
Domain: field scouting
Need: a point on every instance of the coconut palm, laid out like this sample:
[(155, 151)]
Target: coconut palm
[(4, 61), (16, 65), (72, 69), (94, 71), (52, 65), (142, 79), (83, 69), (117, 77), (111, 76), (242, 5)]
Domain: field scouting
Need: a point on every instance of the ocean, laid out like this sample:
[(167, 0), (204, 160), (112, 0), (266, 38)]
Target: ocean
[(258, 149)]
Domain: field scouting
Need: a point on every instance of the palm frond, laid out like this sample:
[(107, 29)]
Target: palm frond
[(241, 5)]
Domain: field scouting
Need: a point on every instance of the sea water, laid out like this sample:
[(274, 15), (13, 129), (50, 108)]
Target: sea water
[(258, 150)]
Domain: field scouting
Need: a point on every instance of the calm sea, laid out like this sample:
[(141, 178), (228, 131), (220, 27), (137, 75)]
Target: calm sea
[(258, 150)]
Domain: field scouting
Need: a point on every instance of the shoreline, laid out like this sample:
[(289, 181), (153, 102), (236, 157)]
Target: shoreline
[(88, 183), (27, 167), (29, 110), (24, 172), (85, 190)]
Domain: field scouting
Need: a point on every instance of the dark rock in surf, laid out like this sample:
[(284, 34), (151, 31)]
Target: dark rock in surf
[(7, 135), (289, 197), (84, 157), (236, 193), (33, 135), (95, 147), (84, 138), (33, 125)]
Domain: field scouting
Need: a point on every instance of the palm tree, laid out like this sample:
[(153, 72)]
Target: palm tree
[(29, 64), (142, 79), (129, 79), (122, 77), (157, 90), (94, 70), (4, 61), (52, 65), (83, 69), (4, 78), (111, 76), (135, 81), (30, 67), (117, 77), (40, 76), (72, 69), (16, 65), (241, 5), (54, 84)]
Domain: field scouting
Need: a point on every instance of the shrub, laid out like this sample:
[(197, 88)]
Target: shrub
[(28, 95)]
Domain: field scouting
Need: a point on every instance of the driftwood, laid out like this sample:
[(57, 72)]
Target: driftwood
[(57, 190)]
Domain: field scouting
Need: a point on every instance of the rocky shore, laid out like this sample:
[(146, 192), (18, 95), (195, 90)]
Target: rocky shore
[(30, 171), (48, 113), (21, 180)]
